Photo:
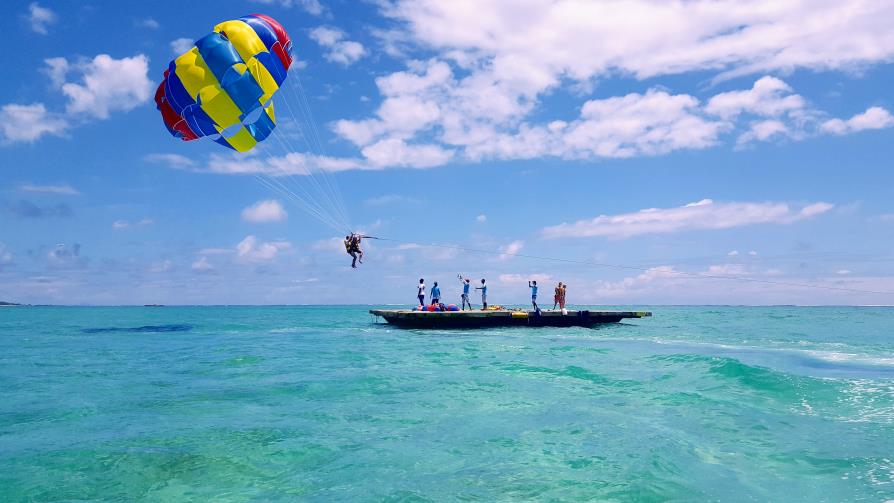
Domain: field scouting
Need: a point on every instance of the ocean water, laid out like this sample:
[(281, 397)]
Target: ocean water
[(322, 404)]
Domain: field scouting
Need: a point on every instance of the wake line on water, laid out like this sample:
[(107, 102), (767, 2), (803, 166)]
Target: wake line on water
[(829, 361)]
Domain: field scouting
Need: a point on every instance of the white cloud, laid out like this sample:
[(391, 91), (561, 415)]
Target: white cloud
[(524, 278), (269, 210), (701, 215), (175, 161), (127, 224), (181, 45), (202, 265), (630, 285), (64, 189), (481, 218), (508, 56), (768, 97), (310, 6), (39, 18), (391, 199), (734, 253), (842, 272), (510, 250), (252, 250), (763, 131), (754, 253), (57, 69), (647, 39), (872, 118), (27, 123), (396, 153), (294, 163), (149, 22), (108, 84), (650, 124), (339, 50), (101, 85)]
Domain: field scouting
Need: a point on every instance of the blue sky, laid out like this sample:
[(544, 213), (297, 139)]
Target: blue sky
[(689, 142)]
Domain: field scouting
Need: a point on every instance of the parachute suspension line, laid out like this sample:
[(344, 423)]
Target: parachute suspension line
[(306, 110), (687, 275), (326, 201), (316, 202), (312, 136), (277, 187), (306, 202)]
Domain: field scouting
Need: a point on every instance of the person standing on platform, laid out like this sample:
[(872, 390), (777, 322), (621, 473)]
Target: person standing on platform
[(421, 293), (435, 294), (466, 284), (483, 289), (562, 296), (533, 286), (557, 294)]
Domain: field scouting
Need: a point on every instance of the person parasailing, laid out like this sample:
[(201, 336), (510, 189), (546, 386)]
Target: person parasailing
[(352, 246)]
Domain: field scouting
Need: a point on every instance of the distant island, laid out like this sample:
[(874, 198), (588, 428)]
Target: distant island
[(8, 304)]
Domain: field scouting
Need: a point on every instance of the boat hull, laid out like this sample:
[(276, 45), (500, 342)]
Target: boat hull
[(502, 318)]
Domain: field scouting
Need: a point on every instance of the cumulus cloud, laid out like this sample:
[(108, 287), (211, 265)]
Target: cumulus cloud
[(107, 84), (494, 63), (40, 18), (481, 218), (872, 118), (181, 45), (397, 153), (338, 49), (100, 86), (28, 123), (63, 189), (768, 97), (702, 215), (269, 210), (252, 250)]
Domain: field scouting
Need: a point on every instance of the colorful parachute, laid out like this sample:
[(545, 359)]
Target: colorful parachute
[(222, 87)]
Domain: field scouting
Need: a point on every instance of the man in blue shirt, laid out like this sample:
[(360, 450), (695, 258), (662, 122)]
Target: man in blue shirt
[(435, 294), (533, 286), (483, 289), (466, 284)]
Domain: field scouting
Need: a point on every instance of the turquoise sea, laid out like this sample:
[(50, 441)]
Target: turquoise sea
[(321, 404)]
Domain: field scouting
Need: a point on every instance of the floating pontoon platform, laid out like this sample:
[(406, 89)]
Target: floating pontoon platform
[(502, 318)]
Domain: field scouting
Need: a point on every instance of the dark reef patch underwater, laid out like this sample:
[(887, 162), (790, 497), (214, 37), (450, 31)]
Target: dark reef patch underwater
[(150, 329)]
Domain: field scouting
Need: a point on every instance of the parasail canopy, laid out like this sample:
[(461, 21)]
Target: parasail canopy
[(223, 86)]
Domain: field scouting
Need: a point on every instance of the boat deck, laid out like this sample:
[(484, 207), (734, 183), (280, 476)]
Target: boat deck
[(406, 318)]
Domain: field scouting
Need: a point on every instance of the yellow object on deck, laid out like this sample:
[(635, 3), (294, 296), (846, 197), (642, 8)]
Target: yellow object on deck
[(519, 314)]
